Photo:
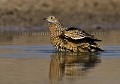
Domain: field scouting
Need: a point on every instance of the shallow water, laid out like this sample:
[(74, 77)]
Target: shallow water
[(29, 58)]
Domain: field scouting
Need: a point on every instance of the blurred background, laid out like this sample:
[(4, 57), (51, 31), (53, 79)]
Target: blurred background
[(72, 12)]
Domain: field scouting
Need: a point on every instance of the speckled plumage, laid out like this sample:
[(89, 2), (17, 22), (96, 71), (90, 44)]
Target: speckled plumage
[(71, 39)]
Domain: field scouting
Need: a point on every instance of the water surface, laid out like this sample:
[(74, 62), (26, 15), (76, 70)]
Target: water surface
[(29, 58)]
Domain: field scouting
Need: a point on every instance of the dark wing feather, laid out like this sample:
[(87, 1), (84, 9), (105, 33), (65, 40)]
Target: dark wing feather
[(78, 34)]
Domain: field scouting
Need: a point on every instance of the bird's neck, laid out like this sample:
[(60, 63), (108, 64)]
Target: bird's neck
[(55, 28)]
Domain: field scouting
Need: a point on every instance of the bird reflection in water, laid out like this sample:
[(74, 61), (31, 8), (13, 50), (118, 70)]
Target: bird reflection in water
[(71, 64)]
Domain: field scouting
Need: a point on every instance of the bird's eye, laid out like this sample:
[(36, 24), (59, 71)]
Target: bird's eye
[(51, 17)]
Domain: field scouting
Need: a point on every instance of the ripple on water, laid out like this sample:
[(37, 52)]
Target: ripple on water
[(26, 50), (111, 51), (46, 51)]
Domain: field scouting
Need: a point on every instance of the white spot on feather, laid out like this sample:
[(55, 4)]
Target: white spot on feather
[(77, 38)]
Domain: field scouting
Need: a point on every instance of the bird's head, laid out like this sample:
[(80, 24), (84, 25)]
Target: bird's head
[(51, 19)]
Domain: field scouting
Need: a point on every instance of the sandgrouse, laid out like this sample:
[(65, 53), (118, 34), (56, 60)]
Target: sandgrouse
[(71, 39)]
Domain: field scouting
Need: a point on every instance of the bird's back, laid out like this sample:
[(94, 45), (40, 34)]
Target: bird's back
[(79, 40)]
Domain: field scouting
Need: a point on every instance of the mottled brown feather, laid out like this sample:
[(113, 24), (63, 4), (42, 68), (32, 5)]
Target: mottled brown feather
[(71, 39)]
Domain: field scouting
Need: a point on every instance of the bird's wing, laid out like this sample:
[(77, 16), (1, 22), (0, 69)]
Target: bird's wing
[(78, 34)]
